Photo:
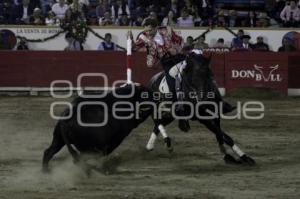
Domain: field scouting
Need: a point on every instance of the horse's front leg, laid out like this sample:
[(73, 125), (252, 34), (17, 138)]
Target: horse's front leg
[(166, 138), (151, 142), (159, 128)]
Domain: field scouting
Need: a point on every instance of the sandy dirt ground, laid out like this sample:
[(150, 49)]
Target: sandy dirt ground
[(194, 170)]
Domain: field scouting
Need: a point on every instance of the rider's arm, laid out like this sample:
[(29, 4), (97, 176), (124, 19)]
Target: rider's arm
[(175, 37)]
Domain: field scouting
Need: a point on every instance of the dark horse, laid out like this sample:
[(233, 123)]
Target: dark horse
[(198, 87)]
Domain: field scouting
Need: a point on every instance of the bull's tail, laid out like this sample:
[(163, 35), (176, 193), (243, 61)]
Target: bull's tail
[(64, 129)]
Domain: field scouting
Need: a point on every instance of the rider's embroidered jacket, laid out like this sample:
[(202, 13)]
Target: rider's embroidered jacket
[(164, 40)]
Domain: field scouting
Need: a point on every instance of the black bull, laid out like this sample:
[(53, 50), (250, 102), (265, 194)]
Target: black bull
[(87, 133)]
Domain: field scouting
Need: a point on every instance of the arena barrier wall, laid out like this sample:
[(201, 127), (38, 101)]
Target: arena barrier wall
[(28, 70)]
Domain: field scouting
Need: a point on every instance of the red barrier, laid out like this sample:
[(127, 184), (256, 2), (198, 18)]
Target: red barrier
[(40, 68), (218, 67), (294, 70), (231, 70)]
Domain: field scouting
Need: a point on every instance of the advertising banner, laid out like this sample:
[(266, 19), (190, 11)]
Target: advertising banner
[(262, 70)]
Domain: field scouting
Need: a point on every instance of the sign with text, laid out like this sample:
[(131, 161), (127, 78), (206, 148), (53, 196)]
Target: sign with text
[(256, 70)]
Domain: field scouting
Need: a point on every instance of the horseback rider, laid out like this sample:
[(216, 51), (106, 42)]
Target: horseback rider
[(166, 47), (163, 46)]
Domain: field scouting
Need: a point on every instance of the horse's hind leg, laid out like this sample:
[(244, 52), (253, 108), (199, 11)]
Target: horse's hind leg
[(56, 145), (229, 141), (215, 128), (245, 158)]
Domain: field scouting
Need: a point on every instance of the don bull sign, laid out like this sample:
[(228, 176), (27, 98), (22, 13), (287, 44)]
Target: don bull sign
[(262, 70), (259, 73)]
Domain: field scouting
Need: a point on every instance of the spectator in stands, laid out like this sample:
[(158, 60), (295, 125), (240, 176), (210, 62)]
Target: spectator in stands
[(23, 12), (203, 5), (123, 20), (277, 8), (197, 20), (260, 45), (185, 20), (45, 6), (6, 12), (107, 44), (287, 46), (35, 3), (74, 12), (106, 20), (73, 44), (102, 7), (169, 20), (152, 15), (220, 43), (84, 2), (140, 12), (237, 41), (263, 20), (200, 44), (233, 19), (138, 21), (290, 15), (37, 17), (189, 42), (221, 21), (207, 14), (175, 7), (251, 19), (51, 19), (15, 2), (245, 45), (60, 9), (162, 12), (22, 45), (191, 7), (119, 8)]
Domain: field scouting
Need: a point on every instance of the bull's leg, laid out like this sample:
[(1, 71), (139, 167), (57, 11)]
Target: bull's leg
[(56, 145), (64, 129)]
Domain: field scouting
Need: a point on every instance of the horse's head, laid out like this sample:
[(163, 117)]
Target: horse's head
[(197, 73)]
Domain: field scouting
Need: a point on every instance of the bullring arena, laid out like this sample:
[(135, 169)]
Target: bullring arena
[(195, 169)]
